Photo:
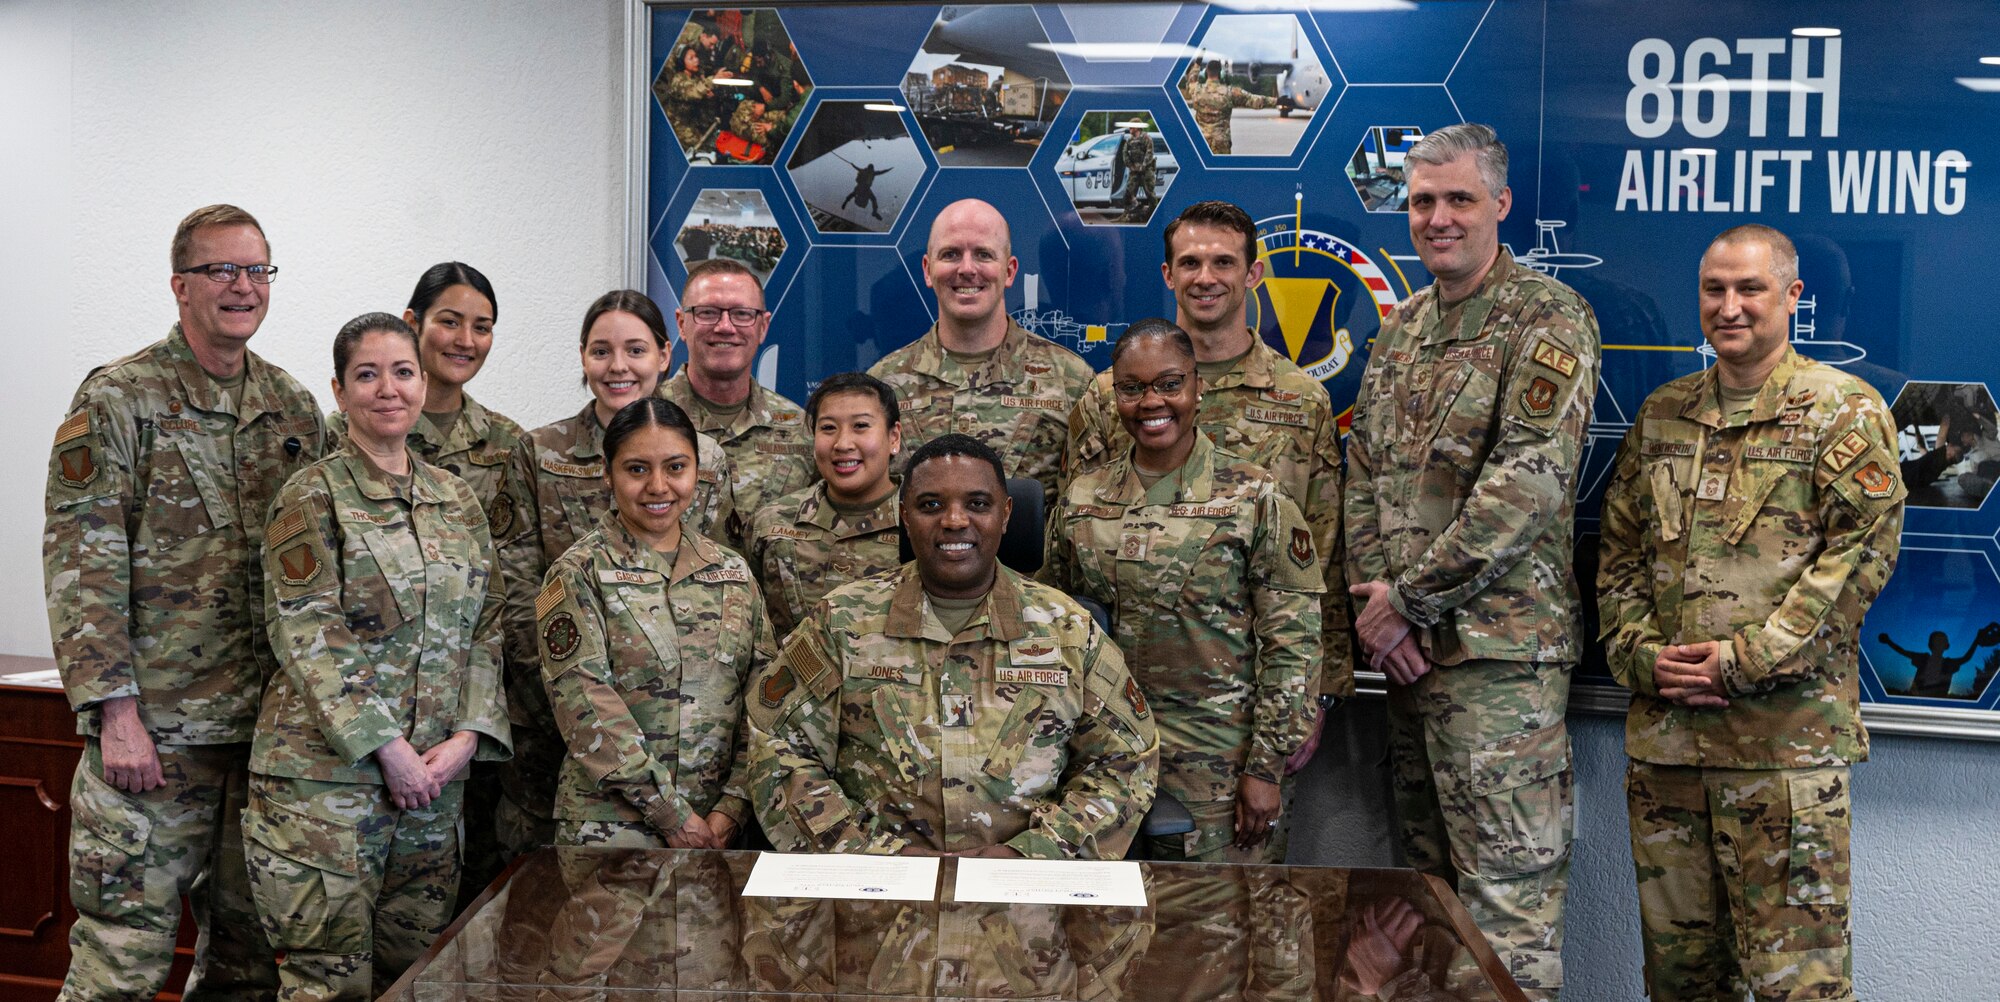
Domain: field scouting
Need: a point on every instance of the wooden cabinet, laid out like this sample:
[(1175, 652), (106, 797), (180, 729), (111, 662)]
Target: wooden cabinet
[(39, 748)]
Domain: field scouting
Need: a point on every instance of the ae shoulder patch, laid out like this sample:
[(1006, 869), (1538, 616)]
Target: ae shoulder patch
[(1844, 452), (1555, 358)]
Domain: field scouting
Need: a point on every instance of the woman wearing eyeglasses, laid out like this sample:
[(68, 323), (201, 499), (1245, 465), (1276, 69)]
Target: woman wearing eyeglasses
[(1213, 585), (385, 622), (649, 632), (555, 483)]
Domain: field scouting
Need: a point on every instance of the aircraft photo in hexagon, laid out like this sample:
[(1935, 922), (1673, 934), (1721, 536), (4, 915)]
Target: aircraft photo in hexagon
[(1116, 167), (732, 86), (1376, 168), (736, 224), (1947, 443), (1253, 83), (985, 85), (856, 166)]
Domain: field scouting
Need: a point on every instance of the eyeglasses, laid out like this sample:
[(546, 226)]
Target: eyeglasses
[(1165, 386), (224, 273), (709, 316)]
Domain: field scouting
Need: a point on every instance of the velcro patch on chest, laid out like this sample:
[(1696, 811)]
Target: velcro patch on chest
[(722, 575), (176, 424), (1400, 357), (1844, 452), (1038, 368), (1280, 396), (552, 595), (1211, 510), (1034, 651), (589, 471), (1781, 453), (371, 517), (1265, 415), (620, 576), (787, 532), (768, 448), (1471, 353), (1034, 403), (1666, 449), (1097, 510), (1019, 674), (1547, 354)]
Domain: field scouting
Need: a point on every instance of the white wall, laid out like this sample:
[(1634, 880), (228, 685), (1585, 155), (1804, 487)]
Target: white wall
[(372, 139)]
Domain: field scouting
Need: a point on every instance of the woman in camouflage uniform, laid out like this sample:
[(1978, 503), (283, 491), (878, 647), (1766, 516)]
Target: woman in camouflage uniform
[(844, 527), (454, 310), (555, 492), (386, 625), (1213, 583), (649, 634)]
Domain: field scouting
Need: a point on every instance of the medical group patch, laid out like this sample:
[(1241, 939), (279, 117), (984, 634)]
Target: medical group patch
[(1539, 399), (1301, 549), (561, 636)]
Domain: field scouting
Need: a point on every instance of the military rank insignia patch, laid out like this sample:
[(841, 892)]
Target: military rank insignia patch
[(500, 515), (1874, 480), (776, 686), (561, 636), (1539, 399), (1136, 697), (1301, 549)]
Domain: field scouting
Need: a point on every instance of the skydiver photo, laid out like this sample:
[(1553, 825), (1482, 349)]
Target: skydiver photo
[(1253, 83), (737, 225), (985, 85), (856, 166), (732, 86), (1116, 167)]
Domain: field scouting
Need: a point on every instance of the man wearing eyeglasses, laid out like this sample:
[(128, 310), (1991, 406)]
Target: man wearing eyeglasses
[(976, 371), (722, 320), (158, 486)]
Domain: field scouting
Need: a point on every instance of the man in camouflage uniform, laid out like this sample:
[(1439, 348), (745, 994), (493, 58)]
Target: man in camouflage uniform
[(1255, 403), (1140, 172), (157, 491), (764, 434), (1211, 99), (951, 706), (1461, 499), (754, 122), (385, 617), (1753, 516), (977, 372)]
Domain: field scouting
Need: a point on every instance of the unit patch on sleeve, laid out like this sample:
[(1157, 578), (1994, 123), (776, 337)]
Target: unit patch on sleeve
[(561, 636), (1875, 481), (1301, 549), (1539, 399), (299, 565), (776, 686)]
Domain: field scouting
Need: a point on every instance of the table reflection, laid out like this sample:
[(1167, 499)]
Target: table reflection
[(608, 924)]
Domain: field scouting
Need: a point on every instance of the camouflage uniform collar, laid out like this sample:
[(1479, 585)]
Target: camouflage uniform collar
[(474, 427), (931, 359), (1195, 478), (697, 552), (586, 438), (756, 412), (1258, 368), (1474, 310), (1704, 405), (818, 510), (257, 396), (910, 613), (375, 485)]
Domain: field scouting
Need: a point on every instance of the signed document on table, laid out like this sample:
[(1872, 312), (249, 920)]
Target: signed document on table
[(838, 875), (1050, 882)]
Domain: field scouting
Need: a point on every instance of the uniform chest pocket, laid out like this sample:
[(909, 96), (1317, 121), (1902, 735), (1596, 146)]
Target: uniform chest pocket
[(177, 507), (644, 644), (1759, 483), (1475, 381), (582, 500), (1195, 567), (882, 721), (382, 566)]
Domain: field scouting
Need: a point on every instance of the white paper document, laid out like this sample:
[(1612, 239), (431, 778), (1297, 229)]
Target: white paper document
[(1050, 882), (47, 678), (838, 875)]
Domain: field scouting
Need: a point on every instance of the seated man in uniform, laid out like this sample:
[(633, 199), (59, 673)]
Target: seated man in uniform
[(951, 706)]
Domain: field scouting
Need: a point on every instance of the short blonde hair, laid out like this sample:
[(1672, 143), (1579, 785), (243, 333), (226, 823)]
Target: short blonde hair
[(209, 215)]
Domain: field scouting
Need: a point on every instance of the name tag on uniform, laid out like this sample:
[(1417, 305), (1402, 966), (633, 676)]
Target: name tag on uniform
[(590, 471), (624, 577), (783, 448), (1098, 511), (176, 424), (1474, 353), (1667, 449), (787, 532), (1032, 676), (369, 516)]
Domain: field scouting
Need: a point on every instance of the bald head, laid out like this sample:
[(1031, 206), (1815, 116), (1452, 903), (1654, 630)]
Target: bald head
[(970, 214)]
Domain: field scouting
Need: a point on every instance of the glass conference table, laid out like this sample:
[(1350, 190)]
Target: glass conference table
[(580, 924)]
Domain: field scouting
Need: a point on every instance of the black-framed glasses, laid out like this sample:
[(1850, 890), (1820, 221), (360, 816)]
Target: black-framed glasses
[(1165, 386), (709, 316), (222, 272)]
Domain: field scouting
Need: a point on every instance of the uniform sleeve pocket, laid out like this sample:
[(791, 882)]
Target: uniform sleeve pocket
[(305, 878), (107, 866), (1521, 801), (1817, 862)]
